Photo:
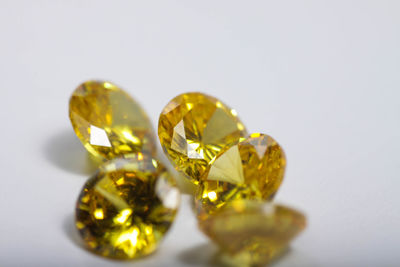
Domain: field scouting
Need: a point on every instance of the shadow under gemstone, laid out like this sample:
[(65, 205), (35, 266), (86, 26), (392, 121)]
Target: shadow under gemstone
[(208, 254), (65, 151), (200, 255), (71, 232)]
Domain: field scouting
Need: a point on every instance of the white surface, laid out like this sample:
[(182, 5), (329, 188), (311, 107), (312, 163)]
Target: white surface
[(322, 77)]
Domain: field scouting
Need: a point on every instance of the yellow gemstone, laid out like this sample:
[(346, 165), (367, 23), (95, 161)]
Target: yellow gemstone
[(109, 122), (193, 128), (251, 169), (253, 233), (126, 208)]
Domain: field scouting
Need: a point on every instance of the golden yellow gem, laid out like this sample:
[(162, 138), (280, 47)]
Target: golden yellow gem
[(108, 121), (251, 169), (253, 233), (124, 211), (193, 128)]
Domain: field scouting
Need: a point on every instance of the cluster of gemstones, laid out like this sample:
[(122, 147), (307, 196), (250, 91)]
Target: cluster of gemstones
[(125, 209), (236, 176)]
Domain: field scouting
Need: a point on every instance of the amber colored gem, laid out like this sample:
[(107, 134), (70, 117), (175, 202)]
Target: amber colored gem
[(126, 208), (251, 169), (109, 122), (253, 233), (193, 128)]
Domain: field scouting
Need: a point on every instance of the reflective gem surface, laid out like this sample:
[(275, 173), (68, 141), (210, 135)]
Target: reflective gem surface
[(193, 128), (108, 121), (251, 169), (253, 233), (126, 208)]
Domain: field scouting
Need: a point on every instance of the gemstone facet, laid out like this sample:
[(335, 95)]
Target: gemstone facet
[(109, 122), (253, 233), (126, 208), (251, 169), (193, 128)]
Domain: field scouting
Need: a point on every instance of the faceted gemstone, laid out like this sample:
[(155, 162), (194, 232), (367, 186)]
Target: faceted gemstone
[(251, 169), (126, 208), (109, 122), (253, 233), (193, 128)]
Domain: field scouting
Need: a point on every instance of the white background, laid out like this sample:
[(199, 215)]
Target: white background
[(322, 77)]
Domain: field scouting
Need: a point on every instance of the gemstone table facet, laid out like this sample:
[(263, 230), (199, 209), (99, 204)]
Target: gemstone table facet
[(193, 128), (251, 169), (127, 207), (109, 122)]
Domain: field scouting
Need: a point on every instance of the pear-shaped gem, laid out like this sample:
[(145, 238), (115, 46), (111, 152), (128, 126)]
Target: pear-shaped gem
[(251, 169), (193, 128), (108, 121)]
